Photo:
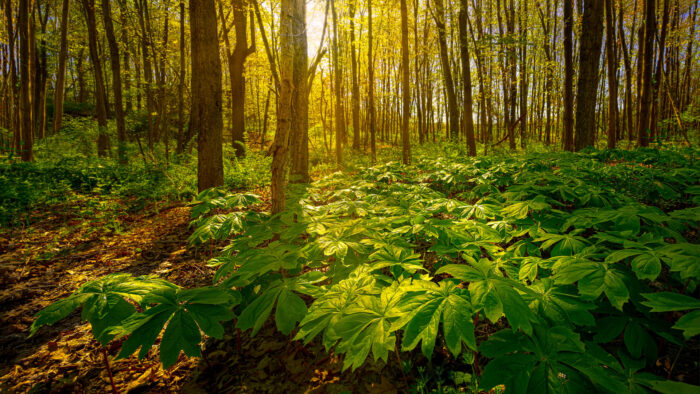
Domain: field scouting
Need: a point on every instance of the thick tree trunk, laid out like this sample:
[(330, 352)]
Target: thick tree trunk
[(299, 137), (101, 105), (292, 50), (61, 72), (589, 59), (116, 79), (206, 119)]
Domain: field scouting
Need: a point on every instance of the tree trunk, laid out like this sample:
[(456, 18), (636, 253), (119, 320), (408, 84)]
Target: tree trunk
[(180, 148), (142, 10), (292, 51), (656, 82), (61, 72), (647, 58), (355, 83), (370, 82), (439, 16), (612, 73), (103, 137), (339, 111), (116, 79), (467, 78), (589, 59), (27, 131), (206, 119), (568, 135), (405, 87)]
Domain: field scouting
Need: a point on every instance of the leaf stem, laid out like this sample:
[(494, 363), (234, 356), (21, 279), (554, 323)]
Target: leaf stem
[(109, 370)]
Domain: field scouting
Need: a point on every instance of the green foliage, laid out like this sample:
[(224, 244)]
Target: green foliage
[(560, 255), (108, 304)]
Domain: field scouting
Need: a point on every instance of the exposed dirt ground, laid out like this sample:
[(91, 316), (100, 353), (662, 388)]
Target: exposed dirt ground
[(61, 250)]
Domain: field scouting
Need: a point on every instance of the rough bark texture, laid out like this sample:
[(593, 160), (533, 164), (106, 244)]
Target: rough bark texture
[(299, 138), (206, 119), (288, 98), (589, 59)]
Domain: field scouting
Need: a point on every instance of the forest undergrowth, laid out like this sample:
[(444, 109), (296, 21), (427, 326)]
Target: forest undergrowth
[(575, 272)]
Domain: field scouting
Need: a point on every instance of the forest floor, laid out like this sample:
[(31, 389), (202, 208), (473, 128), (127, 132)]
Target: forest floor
[(61, 250)]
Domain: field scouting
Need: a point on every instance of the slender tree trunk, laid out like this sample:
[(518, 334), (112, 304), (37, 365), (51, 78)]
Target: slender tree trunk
[(439, 16), (355, 82), (116, 79), (647, 58), (103, 137), (206, 119), (142, 10), (467, 78), (405, 87), (339, 111), (612, 73), (61, 72), (180, 148), (656, 82), (370, 87), (26, 129), (628, 74), (589, 59)]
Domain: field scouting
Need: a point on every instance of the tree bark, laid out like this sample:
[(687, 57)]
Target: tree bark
[(292, 18), (206, 119), (589, 61), (61, 72), (101, 105), (26, 129), (647, 59), (612, 73), (467, 78), (405, 87), (439, 16), (370, 83), (339, 111), (116, 80)]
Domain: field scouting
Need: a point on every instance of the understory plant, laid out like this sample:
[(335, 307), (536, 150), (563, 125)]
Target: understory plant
[(541, 271)]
